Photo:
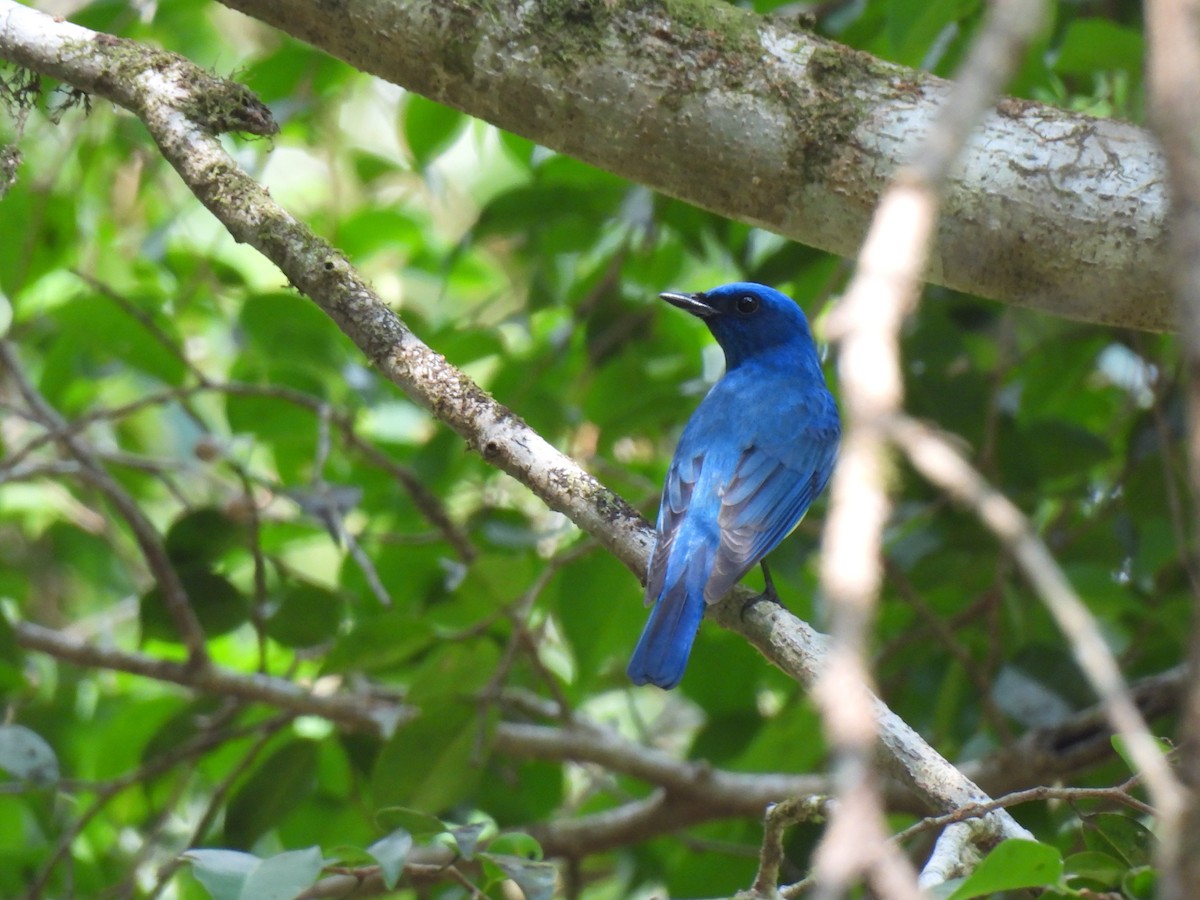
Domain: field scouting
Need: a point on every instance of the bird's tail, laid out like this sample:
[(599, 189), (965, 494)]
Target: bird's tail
[(662, 651)]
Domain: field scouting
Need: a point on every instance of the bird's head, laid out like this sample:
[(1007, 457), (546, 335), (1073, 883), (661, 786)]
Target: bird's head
[(750, 320)]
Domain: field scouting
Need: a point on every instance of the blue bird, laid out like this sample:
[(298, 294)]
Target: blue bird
[(755, 453)]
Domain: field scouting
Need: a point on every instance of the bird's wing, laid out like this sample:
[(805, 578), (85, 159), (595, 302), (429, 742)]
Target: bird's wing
[(676, 497), (766, 497)]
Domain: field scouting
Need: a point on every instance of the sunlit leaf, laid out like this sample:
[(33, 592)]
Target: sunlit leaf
[(429, 128), (1014, 864)]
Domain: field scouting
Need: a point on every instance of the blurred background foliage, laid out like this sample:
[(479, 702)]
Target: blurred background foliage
[(294, 485)]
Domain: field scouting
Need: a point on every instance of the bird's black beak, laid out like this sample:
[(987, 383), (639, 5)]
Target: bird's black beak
[(696, 304)]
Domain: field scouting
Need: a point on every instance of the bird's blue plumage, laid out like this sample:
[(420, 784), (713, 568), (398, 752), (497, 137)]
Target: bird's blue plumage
[(754, 455)]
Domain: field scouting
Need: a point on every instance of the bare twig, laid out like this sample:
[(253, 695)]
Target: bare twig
[(158, 88), (427, 503), (367, 881), (1061, 751), (778, 819), (1118, 795), (867, 326), (145, 319), (697, 792)]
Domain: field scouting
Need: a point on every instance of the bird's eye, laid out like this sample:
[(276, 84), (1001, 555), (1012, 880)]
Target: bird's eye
[(746, 304)]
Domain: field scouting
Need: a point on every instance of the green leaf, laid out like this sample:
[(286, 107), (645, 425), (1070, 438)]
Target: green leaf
[(536, 880), (283, 876), (434, 762), (516, 791), (373, 230), (1101, 869), (25, 255), (203, 536), (1140, 884), (419, 824), (379, 643), (26, 756), (1060, 449), (289, 73), (1121, 835), (519, 148), (12, 674), (307, 615), (289, 429), (454, 671), (278, 786), (467, 837), (429, 128), (102, 331), (516, 843), (280, 320), (222, 872), (391, 853), (600, 609), (180, 727), (1096, 45), (1121, 745), (218, 604), (913, 26), (1012, 865)]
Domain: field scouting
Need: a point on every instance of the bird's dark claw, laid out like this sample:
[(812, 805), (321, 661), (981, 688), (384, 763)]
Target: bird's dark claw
[(769, 594)]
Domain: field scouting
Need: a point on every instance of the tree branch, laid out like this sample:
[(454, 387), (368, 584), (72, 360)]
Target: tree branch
[(354, 712), (757, 120)]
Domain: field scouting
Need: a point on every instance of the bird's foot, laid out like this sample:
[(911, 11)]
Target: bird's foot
[(769, 594)]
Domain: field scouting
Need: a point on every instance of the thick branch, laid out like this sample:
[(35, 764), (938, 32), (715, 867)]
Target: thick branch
[(761, 122)]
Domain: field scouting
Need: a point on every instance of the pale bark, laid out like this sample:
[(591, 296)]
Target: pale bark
[(757, 120)]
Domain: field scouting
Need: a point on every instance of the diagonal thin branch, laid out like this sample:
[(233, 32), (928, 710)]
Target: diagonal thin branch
[(938, 460), (426, 502)]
